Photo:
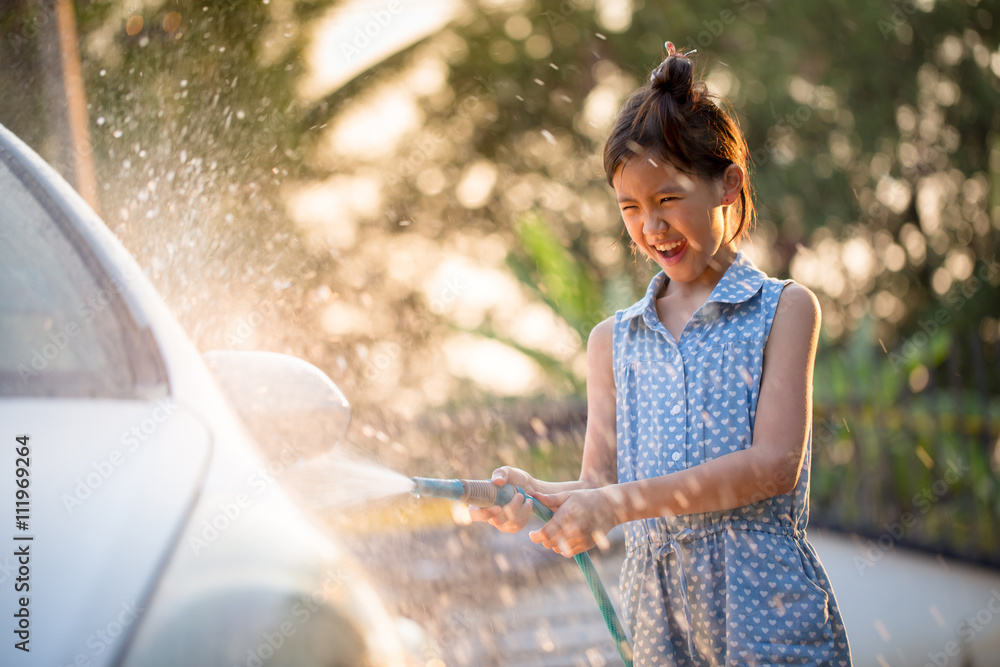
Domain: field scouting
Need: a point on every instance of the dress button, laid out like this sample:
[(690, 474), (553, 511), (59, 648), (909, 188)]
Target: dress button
[(676, 456), (674, 410)]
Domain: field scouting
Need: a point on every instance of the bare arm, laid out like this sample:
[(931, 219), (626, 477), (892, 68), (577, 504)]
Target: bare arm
[(600, 448)]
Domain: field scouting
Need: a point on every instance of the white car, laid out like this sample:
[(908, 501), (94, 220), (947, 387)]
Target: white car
[(140, 524)]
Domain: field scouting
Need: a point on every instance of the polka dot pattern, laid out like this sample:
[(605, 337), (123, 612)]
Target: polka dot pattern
[(737, 587)]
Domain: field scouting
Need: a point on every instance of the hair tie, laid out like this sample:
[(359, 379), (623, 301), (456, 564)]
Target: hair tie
[(671, 53)]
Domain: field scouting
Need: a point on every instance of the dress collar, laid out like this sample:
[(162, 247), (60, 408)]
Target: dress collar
[(740, 282)]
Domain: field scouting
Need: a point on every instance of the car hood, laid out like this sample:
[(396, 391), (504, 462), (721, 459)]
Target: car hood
[(112, 484)]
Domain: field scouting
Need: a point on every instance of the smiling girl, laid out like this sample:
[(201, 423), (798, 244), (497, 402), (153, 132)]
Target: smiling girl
[(699, 410)]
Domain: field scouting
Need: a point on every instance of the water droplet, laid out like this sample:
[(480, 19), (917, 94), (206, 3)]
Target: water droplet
[(117, 134)]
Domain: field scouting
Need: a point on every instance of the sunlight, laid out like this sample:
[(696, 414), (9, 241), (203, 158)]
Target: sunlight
[(342, 319), (614, 15), (599, 109), (858, 259), (603, 100), (331, 209), (492, 365), (358, 34), (538, 327), (372, 126), (476, 186), (466, 290), (894, 193)]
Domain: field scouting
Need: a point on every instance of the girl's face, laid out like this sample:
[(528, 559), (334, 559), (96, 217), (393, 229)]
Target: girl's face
[(678, 220)]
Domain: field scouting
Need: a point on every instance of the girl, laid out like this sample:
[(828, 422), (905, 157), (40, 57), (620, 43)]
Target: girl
[(699, 410)]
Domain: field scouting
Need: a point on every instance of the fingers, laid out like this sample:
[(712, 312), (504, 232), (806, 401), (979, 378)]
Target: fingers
[(508, 518), (510, 511), (515, 514), (601, 540), (561, 545), (552, 500), (572, 529), (484, 514), (562, 536), (515, 476)]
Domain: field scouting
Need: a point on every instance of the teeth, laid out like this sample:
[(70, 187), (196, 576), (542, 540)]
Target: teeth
[(664, 247)]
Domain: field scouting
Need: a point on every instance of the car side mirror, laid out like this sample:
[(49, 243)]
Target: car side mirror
[(287, 404)]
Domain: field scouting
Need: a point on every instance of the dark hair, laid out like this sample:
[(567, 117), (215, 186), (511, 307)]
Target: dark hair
[(677, 118)]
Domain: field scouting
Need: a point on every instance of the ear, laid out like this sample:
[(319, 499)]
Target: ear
[(732, 184)]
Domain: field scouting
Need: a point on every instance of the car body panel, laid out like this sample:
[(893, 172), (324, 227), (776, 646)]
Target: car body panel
[(111, 487)]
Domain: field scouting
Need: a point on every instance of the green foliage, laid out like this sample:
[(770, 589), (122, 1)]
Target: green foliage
[(557, 276)]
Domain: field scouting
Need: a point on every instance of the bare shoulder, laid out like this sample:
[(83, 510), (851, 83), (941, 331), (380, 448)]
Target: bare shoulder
[(601, 342), (798, 304), (602, 334), (798, 310)]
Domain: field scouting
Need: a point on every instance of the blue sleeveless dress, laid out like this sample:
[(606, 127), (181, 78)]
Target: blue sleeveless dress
[(737, 587)]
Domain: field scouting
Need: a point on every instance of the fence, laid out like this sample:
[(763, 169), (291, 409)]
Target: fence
[(905, 446)]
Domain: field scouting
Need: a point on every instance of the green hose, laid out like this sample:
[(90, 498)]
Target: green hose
[(484, 493), (596, 587)]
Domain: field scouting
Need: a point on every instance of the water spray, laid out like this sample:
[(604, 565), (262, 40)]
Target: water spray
[(484, 493)]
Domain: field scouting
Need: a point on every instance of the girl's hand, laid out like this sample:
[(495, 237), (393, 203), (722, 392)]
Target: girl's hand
[(513, 516), (582, 519)]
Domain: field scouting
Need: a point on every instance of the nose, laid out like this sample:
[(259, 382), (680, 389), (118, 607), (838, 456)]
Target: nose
[(653, 225)]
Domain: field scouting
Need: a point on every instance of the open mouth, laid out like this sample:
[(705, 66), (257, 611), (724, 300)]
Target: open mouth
[(670, 251)]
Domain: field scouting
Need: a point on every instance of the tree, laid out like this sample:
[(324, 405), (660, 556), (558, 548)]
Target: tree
[(875, 168)]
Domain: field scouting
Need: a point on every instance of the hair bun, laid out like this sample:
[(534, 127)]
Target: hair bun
[(674, 76)]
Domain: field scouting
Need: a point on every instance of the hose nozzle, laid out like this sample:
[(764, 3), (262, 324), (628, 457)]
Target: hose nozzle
[(478, 492)]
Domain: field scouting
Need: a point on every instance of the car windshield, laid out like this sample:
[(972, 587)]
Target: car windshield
[(59, 335)]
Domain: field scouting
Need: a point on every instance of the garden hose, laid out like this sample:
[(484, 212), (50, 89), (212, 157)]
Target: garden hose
[(484, 493)]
